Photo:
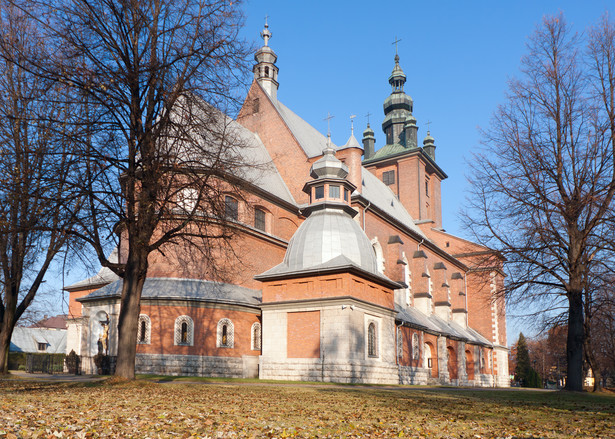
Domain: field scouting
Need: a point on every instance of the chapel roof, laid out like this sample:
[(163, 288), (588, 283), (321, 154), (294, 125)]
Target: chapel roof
[(184, 289)]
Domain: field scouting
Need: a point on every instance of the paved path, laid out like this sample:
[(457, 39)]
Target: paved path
[(60, 377)]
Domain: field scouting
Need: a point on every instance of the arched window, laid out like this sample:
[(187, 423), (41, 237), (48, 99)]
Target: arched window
[(372, 340), (428, 363), (184, 331), (379, 254), (400, 344), (231, 208), (256, 336), (260, 219), (187, 199), (225, 334), (144, 330), (415, 346), (267, 72)]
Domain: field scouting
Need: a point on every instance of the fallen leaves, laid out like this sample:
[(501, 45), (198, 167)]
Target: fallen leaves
[(150, 410)]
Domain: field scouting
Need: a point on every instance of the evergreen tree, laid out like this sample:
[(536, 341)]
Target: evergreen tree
[(523, 361), (525, 374)]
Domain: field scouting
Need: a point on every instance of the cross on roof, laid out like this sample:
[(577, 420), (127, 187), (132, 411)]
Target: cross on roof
[(328, 119), (368, 115), (428, 123), (397, 40)]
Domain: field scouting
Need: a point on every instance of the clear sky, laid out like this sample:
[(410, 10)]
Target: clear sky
[(336, 56)]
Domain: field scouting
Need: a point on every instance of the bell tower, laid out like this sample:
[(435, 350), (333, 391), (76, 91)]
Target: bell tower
[(265, 70)]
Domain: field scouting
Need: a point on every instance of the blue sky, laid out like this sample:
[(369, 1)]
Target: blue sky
[(336, 56)]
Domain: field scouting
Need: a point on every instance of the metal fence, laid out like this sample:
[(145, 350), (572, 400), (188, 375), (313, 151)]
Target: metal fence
[(46, 363)]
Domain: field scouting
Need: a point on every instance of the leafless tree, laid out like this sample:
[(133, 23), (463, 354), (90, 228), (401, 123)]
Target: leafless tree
[(34, 163), (158, 156), (543, 188)]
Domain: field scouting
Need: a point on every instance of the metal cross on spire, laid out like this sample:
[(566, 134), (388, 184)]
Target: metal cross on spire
[(368, 115), (428, 123), (328, 119), (352, 116), (397, 40), (265, 34)]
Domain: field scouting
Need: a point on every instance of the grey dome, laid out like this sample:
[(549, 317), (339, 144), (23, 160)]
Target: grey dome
[(328, 234)]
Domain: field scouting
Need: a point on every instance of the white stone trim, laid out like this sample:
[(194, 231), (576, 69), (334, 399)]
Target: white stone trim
[(256, 336), (178, 331), (230, 334), (147, 339)]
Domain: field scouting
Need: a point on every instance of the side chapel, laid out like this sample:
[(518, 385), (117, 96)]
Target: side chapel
[(347, 276)]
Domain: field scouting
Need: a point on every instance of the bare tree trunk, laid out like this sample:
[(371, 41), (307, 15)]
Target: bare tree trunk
[(6, 331), (574, 344), (136, 271)]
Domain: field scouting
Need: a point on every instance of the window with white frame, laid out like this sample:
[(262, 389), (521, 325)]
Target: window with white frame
[(256, 336), (187, 199), (144, 330), (184, 331), (225, 334)]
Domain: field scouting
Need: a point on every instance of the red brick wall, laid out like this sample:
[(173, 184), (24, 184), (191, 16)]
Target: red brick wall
[(406, 359), (432, 341), (335, 285), (303, 334), (205, 320)]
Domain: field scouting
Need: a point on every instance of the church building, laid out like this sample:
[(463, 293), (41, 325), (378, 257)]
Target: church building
[(347, 274)]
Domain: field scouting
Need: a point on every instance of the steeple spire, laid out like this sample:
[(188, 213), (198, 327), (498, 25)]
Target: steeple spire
[(265, 70)]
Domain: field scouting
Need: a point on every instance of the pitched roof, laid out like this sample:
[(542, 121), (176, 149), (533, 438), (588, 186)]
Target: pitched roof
[(433, 323), (27, 340), (103, 277), (55, 322), (309, 138), (184, 289), (381, 196)]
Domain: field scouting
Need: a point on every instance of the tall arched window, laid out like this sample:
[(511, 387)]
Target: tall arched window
[(256, 336), (400, 344), (260, 219), (372, 340), (144, 330), (415, 346), (184, 331), (225, 334), (231, 208)]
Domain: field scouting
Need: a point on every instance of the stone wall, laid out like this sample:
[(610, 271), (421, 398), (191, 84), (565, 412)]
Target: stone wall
[(302, 369), (195, 365)]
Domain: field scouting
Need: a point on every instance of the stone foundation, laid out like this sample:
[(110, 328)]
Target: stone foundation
[(195, 365), (414, 375), (304, 369)]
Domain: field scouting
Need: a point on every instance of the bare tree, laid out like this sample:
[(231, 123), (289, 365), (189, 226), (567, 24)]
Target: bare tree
[(34, 163), (543, 189), (157, 161)]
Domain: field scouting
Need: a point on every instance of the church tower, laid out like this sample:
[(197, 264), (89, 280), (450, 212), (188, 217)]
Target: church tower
[(406, 167), (265, 70)]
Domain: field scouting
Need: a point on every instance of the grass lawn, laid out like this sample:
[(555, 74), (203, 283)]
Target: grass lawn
[(177, 409)]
